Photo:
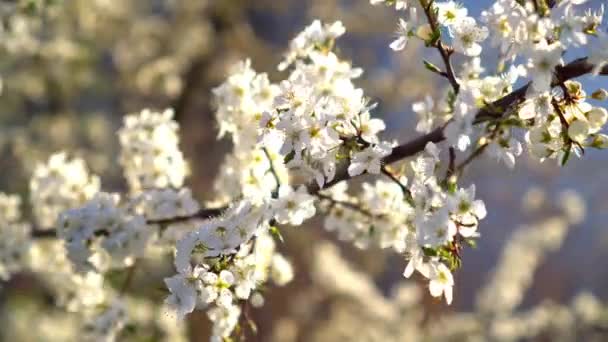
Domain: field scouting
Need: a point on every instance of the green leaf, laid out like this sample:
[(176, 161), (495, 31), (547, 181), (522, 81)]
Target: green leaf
[(289, 157), (274, 231), (431, 67), (471, 242)]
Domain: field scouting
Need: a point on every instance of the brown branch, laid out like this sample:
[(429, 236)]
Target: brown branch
[(201, 214), (444, 51), (495, 109), (349, 205), (574, 69)]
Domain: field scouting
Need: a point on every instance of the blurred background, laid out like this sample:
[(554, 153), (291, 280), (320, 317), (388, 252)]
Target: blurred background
[(70, 71)]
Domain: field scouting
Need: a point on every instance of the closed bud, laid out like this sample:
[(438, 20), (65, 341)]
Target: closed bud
[(600, 141), (425, 32), (600, 94), (578, 131)]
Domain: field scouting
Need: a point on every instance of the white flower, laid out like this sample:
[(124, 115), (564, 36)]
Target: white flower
[(450, 13), (505, 150), (293, 207), (281, 270), (217, 288), (370, 159), (441, 281), (466, 210), (224, 321), (183, 295), (403, 34), (399, 4), (597, 119), (578, 130), (598, 55), (543, 60), (106, 325), (369, 128), (313, 36), (424, 110), (150, 153), (435, 230), (60, 184), (467, 36), (538, 106)]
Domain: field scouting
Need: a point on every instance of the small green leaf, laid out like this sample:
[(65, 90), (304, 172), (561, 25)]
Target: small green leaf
[(431, 67), (274, 231), (289, 157)]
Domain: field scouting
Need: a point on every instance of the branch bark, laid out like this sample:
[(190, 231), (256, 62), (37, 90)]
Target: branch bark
[(576, 68)]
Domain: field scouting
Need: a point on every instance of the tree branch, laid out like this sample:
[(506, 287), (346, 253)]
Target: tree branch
[(576, 68)]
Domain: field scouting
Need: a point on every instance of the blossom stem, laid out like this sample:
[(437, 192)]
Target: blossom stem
[(444, 51)]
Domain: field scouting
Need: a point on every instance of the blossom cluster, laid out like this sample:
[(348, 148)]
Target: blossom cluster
[(319, 116), (221, 283), (150, 155), (14, 236), (240, 102), (532, 41), (428, 223), (295, 144), (60, 184), (100, 234)]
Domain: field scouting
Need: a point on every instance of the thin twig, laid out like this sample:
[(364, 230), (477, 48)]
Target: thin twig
[(444, 51), (272, 168), (128, 279), (348, 205), (396, 180), (478, 151), (576, 68), (452, 163)]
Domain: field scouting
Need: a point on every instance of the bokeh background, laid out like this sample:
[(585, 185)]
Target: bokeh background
[(77, 67)]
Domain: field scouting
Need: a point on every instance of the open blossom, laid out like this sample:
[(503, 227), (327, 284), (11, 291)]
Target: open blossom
[(150, 153), (399, 4), (467, 36), (426, 118), (370, 159), (403, 34), (466, 210), (183, 297), (293, 207), (543, 60), (538, 106), (314, 35), (441, 281), (314, 125), (436, 230), (370, 127), (15, 240), (60, 184), (107, 325), (101, 225), (505, 150), (450, 13)]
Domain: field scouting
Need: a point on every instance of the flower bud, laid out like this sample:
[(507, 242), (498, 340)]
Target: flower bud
[(425, 32), (600, 94), (578, 131), (600, 141), (597, 118)]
